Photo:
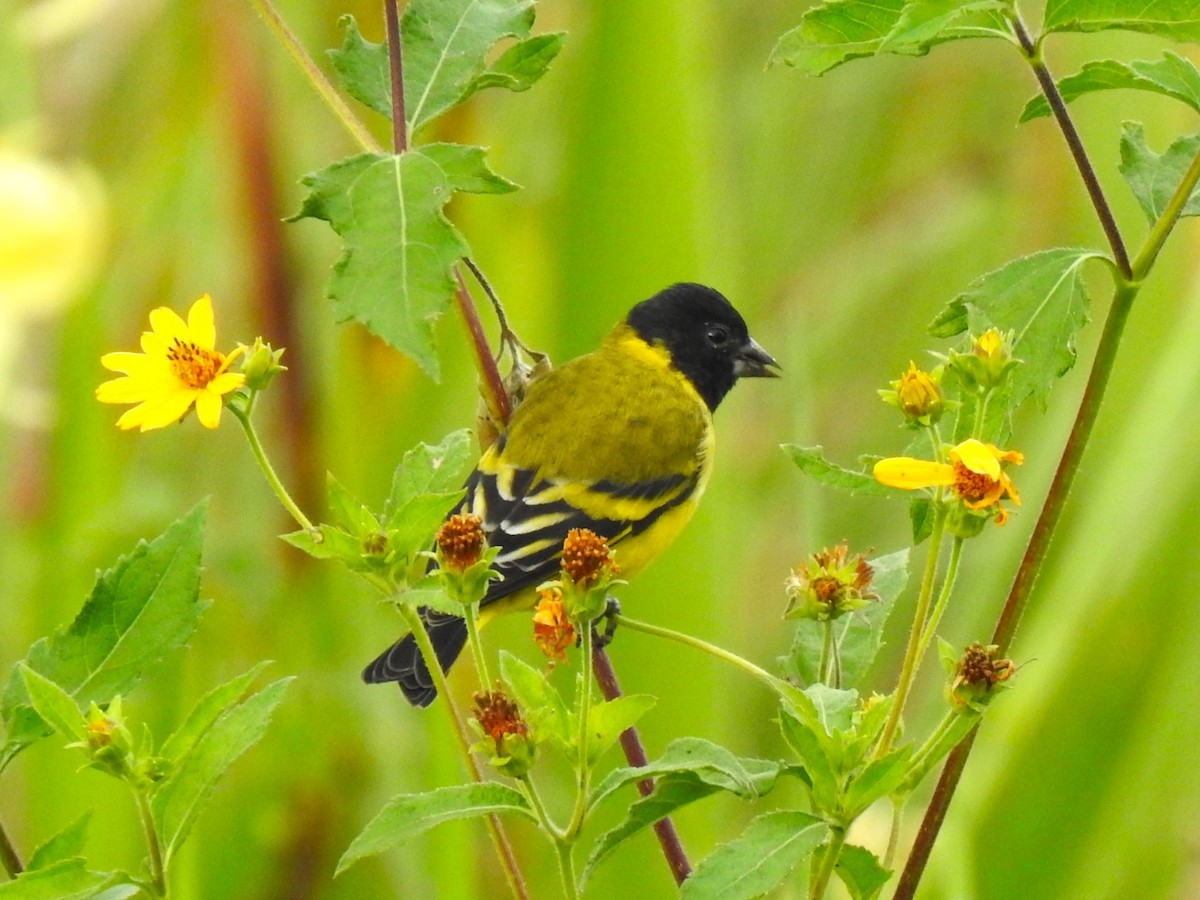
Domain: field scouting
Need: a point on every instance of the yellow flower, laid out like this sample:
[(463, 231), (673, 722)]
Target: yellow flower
[(974, 473), (178, 367)]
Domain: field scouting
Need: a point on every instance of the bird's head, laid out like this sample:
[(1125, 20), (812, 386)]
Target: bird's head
[(705, 336)]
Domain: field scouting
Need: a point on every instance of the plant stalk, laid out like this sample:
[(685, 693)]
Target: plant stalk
[(508, 860), (824, 873), (158, 875), (391, 14), (584, 707), (260, 456)]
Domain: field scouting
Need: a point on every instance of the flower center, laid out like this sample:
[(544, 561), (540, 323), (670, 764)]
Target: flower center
[(193, 365), (972, 486), (826, 587)]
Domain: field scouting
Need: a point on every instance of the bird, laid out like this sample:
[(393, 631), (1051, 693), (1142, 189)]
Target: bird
[(619, 441)]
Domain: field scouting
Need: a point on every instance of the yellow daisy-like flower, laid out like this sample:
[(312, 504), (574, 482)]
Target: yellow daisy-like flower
[(974, 473), (178, 367)]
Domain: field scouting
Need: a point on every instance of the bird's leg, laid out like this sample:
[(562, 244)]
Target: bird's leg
[(612, 609)]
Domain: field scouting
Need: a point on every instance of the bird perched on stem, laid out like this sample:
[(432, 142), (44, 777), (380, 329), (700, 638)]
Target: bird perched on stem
[(619, 441)]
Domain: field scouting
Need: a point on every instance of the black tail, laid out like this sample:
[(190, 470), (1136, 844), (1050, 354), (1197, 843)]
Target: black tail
[(402, 662)]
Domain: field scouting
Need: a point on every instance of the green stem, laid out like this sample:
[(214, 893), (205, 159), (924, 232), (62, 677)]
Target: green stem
[(584, 707), (315, 76), (943, 598), (894, 832), (566, 869), (912, 660), (539, 808), (470, 616), (835, 663), (260, 456), (158, 875), (508, 860), (826, 652), (1144, 261), (8, 855), (778, 685), (833, 849)]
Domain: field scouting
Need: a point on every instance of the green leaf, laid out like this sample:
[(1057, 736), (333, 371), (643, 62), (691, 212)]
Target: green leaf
[(347, 510), (439, 469), (809, 742), (878, 779), (539, 701), (812, 462), (466, 169), (759, 860), (607, 720), (64, 845), (834, 707), (1172, 76), (329, 542), (394, 275), (921, 513), (446, 49), (54, 705), (858, 636), (947, 740), (410, 815), (711, 763), (838, 31), (206, 712), (139, 610), (1042, 299), (68, 879), (676, 789), (861, 872), (179, 799), (1178, 20), (446, 45), (1154, 178)]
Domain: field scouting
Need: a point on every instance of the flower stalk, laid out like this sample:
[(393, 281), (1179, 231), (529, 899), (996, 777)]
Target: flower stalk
[(268, 470), (825, 869)]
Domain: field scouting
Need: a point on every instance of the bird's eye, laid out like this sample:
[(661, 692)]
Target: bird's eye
[(717, 335)]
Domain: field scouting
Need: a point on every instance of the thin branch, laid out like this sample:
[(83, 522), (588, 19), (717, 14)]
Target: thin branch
[(635, 753), (1059, 107), (391, 13), (315, 76), (494, 391)]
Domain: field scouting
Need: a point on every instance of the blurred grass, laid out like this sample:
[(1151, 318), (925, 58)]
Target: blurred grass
[(838, 213)]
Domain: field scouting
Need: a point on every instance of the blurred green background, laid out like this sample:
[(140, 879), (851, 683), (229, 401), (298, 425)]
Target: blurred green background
[(839, 214)]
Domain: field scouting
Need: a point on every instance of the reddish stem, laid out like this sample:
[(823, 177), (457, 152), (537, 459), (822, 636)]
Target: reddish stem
[(391, 14)]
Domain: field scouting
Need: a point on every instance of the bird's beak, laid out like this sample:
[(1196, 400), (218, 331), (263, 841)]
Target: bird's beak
[(753, 362)]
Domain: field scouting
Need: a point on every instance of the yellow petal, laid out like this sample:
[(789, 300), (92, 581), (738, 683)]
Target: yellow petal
[(167, 324), (132, 418), (154, 344), (911, 474), (166, 409), (978, 457), (200, 323), (129, 363), (122, 390), (208, 408), (226, 382)]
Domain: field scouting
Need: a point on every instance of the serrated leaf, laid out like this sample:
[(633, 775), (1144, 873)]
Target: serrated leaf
[(412, 527), (757, 861), (410, 815), (363, 68), (446, 49), (146, 605), (1172, 76), (877, 780), (54, 705), (68, 879), (539, 701), (812, 462), (1154, 178), (858, 636), (607, 720), (834, 707), (347, 510), (838, 31), (206, 712), (65, 844), (674, 790), (395, 274), (328, 542), (1042, 299), (1175, 19), (466, 168), (179, 799), (861, 872)]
